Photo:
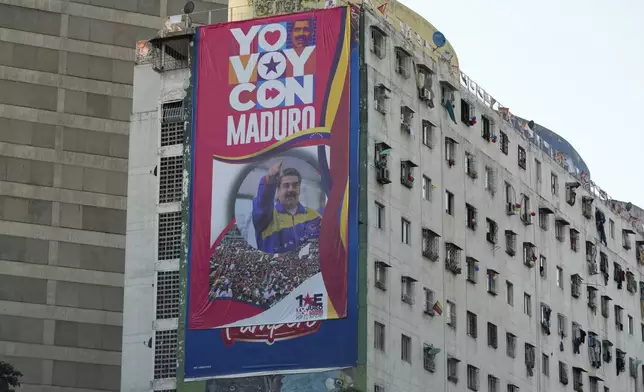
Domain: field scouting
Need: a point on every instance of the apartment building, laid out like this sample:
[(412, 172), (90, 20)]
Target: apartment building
[(486, 267), (66, 74)]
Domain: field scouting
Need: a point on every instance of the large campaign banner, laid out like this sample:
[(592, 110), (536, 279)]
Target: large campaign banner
[(271, 171), (274, 192)]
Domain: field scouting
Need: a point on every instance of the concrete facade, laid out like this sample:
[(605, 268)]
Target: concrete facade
[(389, 368), (66, 75)]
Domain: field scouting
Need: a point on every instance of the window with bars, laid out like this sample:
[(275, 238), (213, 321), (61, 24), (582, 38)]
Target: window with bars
[(452, 369), (430, 244), (172, 123), (513, 388), (167, 294), (492, 338), (504, 143), (171, 179), (522, 157), (472, 328), (472, 378), (405, 348), (563, 373), (492, 231), (380, 273), (545, 365), (378, 42), (378, 388), (379, 336), (510, 345), (169, 246), (165, 354), (492, 383), (429, 358), (472, 269)]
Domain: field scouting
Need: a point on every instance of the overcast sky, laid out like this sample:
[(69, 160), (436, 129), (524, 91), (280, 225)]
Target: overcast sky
[(573, 66)]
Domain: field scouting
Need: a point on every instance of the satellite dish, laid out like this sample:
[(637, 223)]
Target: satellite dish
[(628, 206), (434, 350), (439, 39), (531, 124), (188, 8)]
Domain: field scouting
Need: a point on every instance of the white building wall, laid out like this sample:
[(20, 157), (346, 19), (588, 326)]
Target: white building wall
[(143, 263), (386, 368)]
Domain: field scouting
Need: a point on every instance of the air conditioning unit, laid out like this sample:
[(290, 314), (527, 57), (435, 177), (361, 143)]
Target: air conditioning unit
[(425, 94), (405, 126), (383, 175), (406, 298), (381, 285), (529, 262)]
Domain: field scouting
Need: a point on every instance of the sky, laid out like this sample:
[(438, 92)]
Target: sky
[(575, 67)]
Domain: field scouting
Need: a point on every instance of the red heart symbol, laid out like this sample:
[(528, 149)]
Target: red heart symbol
[(272, 37)]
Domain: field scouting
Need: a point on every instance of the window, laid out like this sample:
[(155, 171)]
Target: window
[(404, 229), (537, 169), (381, 271), (378, 42), (574, 240), (527, 304), (429, 302), (492, 336), (510, 199), (424, 77), (486, 128), (430, 244), (171, 179), (618, 317), (510, 242), (543, 267), (521, 157), (529, 254), (554, 184), (492, 383), (405, 348), (630, 324), (626, 240), (492, 276), (407, 289), (406, 118), (492, 231), (529, 358), (450, 151), (378, 388), (165, 354), (594, 386), (611, 227), (407, 173), (429, 357), (577, 379), (526, 210), (380, 215), (592, 298), (472, 378), (449, 203), (561, 325), (544, 220), (504, 143), (587, 207), (472, 269), (427, 188), (575, 287), (402, 62), (428, 134), (470, 165), (472, 328), (510, 345), (379, 336), (545, 365), (451, 314), (563, 373), (472, 217), (560, 230), (571, 192), (509, 292), (167, 298), (513, 388), (467, 112), (380, 96), (452, 369), (604, 306), (453, 258), (490, 180), (169, 234), (560, 280), (172, 123)]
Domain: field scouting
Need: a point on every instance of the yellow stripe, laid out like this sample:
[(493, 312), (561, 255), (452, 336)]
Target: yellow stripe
[(331, 312), (340, 75), (344, 216), (284, 220), (278, 143)]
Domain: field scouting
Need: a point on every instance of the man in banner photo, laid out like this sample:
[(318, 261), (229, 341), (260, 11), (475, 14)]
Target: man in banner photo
[(285, 224), (270, 204)]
